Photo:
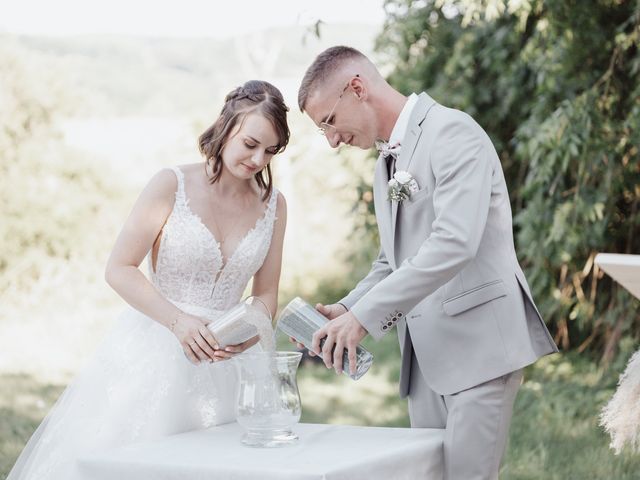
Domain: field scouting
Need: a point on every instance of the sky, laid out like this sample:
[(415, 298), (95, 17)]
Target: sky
[(186, 18)]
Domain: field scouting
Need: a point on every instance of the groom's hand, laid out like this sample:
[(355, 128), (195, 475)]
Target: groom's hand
[(330, 311), (343, 332)]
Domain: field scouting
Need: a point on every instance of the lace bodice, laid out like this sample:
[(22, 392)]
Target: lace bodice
[(190, 268)]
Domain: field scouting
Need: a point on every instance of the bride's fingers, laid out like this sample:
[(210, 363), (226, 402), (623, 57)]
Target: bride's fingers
[(190, 355), (205, 347), (199, 353), (209, 338), (223, 355), (241, 347)]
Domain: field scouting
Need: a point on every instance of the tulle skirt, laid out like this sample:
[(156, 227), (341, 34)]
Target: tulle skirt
[(138, 386), (621, 416)]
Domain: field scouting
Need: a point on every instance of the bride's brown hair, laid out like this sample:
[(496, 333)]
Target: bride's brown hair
[(255, 96)]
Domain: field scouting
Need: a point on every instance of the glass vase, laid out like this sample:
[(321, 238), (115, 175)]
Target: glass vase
[(268, 404)]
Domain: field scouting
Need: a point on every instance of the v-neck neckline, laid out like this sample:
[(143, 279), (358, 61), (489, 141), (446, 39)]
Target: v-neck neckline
[(216, 242), (223, 264)]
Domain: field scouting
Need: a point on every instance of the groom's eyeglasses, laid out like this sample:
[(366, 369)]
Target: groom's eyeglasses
[(327, 124)]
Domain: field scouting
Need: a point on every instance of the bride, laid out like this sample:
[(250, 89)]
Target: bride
[(206, 230)]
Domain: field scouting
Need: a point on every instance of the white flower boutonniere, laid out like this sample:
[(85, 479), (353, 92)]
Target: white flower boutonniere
[(401, 186)]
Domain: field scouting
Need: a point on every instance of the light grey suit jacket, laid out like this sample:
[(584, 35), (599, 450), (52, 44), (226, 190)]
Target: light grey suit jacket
[(447, 271)]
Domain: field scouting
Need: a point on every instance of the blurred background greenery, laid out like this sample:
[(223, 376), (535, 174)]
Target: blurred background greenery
[(86, 120)]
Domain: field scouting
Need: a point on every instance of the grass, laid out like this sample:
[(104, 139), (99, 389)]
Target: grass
[(24, 402), (554, 434)]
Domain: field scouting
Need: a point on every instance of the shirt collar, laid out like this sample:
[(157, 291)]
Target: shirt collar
[(400, 128)]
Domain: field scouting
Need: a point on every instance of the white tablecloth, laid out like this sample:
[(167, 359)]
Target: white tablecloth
[(324, 452), (624, 268)]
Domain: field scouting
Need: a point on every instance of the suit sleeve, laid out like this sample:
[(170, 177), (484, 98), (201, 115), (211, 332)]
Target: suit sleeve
[(380, 269), (463, 169)]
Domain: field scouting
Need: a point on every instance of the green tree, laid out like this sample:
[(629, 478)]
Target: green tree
[(555, 84), (50, 197)]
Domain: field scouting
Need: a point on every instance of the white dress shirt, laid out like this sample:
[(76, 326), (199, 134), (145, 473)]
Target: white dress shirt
[(400, 128)]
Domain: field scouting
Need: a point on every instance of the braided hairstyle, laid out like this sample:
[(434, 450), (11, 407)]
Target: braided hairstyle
[(255, 96)]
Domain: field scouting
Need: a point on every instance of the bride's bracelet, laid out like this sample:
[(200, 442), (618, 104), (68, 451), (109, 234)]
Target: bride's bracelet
[(174, 322)]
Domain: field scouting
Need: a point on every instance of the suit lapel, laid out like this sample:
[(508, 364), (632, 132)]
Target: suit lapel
[(409, 142)]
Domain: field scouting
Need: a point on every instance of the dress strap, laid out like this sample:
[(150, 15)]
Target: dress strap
[(273, 201), (180, 195)]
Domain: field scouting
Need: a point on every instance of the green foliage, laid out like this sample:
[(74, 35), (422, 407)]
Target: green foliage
[(23, 404), (555, 84), (48, 193)]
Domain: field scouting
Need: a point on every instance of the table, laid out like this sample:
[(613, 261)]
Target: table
[(324, 452), (622, 267)]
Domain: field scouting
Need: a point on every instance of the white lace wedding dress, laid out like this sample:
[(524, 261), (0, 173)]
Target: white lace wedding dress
[(140, 385)]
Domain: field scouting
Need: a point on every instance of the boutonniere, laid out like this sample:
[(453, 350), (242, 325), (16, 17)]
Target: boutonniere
[(387, 150), (401, 186)]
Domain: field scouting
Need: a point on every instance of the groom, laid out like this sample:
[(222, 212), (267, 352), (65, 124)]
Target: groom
[(447, 275)]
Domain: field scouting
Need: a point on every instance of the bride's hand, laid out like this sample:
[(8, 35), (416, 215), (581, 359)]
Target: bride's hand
[(198, 343), (231, 350)]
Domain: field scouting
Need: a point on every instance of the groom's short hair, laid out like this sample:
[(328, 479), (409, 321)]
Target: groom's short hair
[(322, 67)]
